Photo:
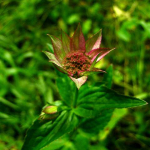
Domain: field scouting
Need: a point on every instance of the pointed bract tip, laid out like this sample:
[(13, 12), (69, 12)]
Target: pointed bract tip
[(100, 31), (79, 27), (50, 36), (113, 49), (145, 103), (79, 24)]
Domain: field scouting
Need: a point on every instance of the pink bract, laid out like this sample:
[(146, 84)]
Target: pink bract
[(75, 57)]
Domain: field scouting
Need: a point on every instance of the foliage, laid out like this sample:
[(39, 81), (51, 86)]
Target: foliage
[(92, 103)]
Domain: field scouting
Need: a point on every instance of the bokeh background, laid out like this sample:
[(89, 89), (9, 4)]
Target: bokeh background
[(27, 79)]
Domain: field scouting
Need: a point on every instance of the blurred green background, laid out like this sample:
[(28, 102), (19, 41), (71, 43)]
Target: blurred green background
[(27, 79)]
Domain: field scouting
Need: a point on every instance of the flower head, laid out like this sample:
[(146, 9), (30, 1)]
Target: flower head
[(75, 57)]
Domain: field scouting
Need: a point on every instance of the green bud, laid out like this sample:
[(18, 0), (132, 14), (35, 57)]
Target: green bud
[(50, 110)]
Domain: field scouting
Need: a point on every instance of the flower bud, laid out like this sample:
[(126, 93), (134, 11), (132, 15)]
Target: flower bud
[(48, 113), (50, 110)]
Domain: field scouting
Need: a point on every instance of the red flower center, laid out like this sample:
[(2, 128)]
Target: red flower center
[(76, 62)]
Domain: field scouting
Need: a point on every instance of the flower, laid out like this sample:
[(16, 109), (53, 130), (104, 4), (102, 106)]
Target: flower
[(75, 57)]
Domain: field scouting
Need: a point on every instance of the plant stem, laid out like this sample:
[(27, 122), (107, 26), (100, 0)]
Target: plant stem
[(75, 98)]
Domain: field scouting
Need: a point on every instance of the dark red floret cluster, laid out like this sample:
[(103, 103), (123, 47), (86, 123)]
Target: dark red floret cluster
[(76, 62)]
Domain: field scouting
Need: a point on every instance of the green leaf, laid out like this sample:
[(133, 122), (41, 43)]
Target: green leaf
[(118, 114), (97, 123), (108, 77), (66, 89), (81, 142), (42, 132), (92, 100), (57, 144)]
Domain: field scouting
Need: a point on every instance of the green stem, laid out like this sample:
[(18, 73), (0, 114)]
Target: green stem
[(75, 98)]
